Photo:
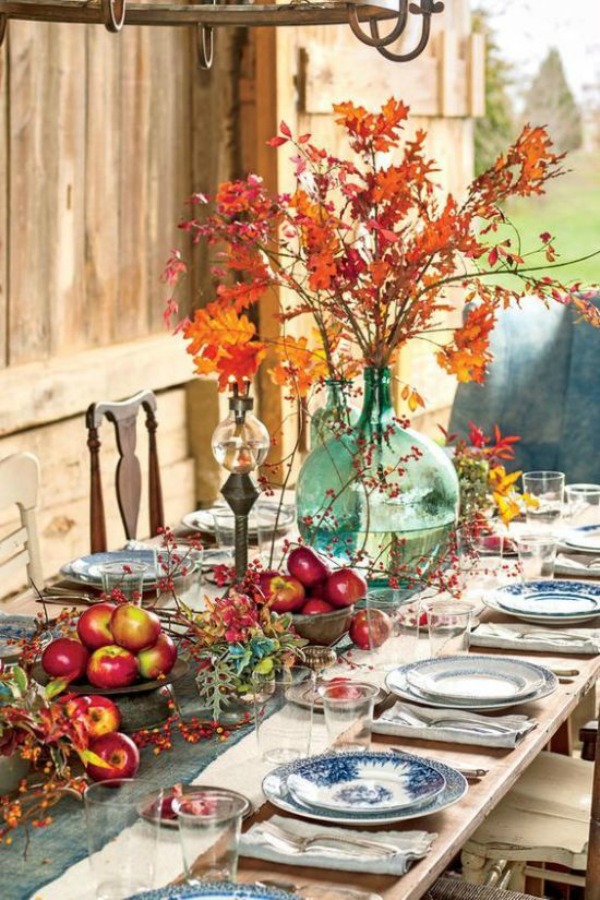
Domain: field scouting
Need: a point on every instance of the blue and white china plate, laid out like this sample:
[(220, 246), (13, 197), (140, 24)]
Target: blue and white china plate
[(276, 790), (462, 680), (87, 568), (202, 519), (353, 783), (14, 628), (585, 538), (397, 681), (548, 602), (218, 890)]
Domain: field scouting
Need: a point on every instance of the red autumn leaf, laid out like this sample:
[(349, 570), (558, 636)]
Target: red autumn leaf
[(285, 129)]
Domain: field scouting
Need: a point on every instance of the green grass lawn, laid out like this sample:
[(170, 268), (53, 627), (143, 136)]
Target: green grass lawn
[(570, 210)]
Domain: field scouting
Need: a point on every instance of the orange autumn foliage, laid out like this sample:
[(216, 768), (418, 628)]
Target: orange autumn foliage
[(368, 249)]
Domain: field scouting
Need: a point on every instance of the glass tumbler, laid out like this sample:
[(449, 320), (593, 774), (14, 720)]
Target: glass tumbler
[(209, 830)]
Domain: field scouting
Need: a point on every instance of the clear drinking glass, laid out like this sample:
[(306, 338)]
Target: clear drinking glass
[(448, 622), (224, 522), (393, 638), (123, 828), (348, 708), (283, 713), (209, 830), (124, 581), (547, 490), (537, 555), (582, 506), (182, 563)]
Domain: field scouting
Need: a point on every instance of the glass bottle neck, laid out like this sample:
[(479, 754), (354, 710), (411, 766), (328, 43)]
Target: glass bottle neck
[(377, 404)]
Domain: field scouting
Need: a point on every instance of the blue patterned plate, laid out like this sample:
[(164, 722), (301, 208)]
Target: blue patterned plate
[(276, 790), (218, 890), (14, 628), (354, 782), (398, 682), (87, 568), (550, 602), (457, 678)]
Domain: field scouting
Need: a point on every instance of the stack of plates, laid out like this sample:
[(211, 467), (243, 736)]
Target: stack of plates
[(364, 788), (548, 602), (86, 569), (283, 517), (471, 682), (586, 538)]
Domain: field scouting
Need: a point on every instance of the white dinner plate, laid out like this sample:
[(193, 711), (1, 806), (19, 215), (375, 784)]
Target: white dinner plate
[(549, 602), (202, 519), (360, 783), (86, 569), (397, 681), (276, 790), (467, 681), (585, 538)]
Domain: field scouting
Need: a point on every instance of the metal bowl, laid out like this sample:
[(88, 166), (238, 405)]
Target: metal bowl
[(323, 628)]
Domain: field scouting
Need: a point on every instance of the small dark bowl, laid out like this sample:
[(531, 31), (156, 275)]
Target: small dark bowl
[(323, 628)]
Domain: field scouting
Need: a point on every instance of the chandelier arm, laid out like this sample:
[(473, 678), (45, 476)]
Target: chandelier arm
[(396, 30), (426, 11), (376, 40), (113, 14), (206, 46)]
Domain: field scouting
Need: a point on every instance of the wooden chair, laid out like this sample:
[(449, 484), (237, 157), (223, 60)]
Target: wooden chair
[(128, 480), (20, 550), (551, 815)]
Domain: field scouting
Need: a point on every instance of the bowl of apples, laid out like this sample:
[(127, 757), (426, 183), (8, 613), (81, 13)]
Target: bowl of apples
[(117, 648), (320, 600)]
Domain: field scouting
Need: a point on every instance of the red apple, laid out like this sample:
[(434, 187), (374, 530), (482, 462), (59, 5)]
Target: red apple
[(283, 593), (111, 667), (314, 606), (342, 689), (370, 628), (65, 658), (344, 587), (119, 752), (100, 714), (304, 564), (159, 659), (134, 628), (93, 626)]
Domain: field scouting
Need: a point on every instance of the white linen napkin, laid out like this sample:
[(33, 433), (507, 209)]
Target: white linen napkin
[(411, 845), (554, 639), (459, 726), (579, 564)]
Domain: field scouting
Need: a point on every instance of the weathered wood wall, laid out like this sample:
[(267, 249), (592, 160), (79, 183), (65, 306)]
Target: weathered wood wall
[(102, 137)]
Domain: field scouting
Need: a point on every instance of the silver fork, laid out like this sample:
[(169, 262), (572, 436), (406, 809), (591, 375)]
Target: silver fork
[(295, 844), (450, 722)]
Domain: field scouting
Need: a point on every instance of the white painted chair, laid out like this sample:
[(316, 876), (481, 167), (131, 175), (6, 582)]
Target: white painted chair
[(20, 549), (551, 815)]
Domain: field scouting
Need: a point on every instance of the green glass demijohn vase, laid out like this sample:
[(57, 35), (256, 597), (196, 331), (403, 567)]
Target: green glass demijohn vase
[(379, 496)]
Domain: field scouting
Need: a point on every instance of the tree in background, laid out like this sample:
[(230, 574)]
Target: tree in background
[(497, 128), (549, 101)]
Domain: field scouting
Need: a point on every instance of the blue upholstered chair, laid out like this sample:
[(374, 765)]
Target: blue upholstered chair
[(543, 385)]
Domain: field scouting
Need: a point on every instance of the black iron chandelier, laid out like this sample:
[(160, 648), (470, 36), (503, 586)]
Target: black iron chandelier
[(207, 16)]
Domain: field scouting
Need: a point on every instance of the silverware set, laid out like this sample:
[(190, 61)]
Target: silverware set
[(292, 843)]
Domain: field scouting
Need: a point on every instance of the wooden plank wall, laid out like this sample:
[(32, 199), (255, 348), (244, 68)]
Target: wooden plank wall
[(96, 160)]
